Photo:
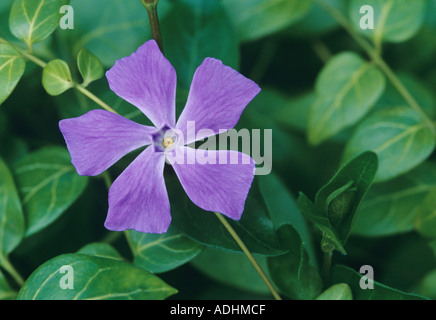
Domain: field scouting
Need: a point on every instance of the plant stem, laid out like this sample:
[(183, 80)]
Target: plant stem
[(249, 255), (94, 98), (327, 266), (375, 55), (4, 262), (151, 6)]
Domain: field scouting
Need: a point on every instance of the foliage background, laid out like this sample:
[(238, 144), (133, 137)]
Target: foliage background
[(305, 62)]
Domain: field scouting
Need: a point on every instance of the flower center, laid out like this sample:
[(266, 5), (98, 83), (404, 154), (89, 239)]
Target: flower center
[(168, 142), (164, 139)]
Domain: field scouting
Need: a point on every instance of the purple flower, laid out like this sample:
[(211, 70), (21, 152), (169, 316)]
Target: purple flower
[(138, 198)]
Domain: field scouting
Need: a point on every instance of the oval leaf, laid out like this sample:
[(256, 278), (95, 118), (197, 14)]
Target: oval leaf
[(12, 66), (340, 291), (394, 20), (346, 90), (100, 249), (48, 185), (398, 136), (162, 252), (34, 20), (56, 77), (90, 67), (93, 278)]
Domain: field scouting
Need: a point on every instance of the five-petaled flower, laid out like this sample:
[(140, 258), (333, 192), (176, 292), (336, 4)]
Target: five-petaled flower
[(138, 198)]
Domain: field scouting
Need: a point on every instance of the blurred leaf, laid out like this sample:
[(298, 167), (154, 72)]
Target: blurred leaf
[(394, 20), (232, 268), (94, 279), (340, 291), (258, 18), (48, 185), (255, 227), (342, 274), (12, 66), (34, 20), (346, 90), (291, 272), (399, 137), (295, 113), (425, 221), (391, 207), (101, 250), (427, 286), (90, 67), (56, 77), (6, 292), (11, 214), (158, 253), (188, 29), (110, 29)]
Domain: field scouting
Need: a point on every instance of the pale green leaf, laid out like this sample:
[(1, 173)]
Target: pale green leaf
[(90, 67), (12, 66), (100, 249), (340, 291), (56, 77), (346, 90)]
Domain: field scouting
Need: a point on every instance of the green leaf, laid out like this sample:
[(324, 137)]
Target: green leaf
[(342, 274), (188, 29), (56, 77), (425, 222), (232, 269), (258, 18), (340, 291), (34, 20), (391, 207), (101, 250), (399, 137), (94, 279), (48, 185), (427, 286), (11, 214), (12, 66), (6, 292), (346, 89), (90, 67), (162, 252), (295, 112), (255, 227), (394, 20), (291, 272)]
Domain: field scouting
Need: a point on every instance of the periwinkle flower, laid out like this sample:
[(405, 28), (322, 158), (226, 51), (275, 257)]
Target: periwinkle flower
[(138, 198)]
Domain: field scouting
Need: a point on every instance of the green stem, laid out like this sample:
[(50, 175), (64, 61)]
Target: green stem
[(4, 262), (249, 255), (93, 97), (151, 6), (327, 266), (378, 60)]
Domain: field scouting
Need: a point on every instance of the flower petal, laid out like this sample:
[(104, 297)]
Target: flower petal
[(215, 186), (138, 198), (216, 100), (100, 138), (147, 80)]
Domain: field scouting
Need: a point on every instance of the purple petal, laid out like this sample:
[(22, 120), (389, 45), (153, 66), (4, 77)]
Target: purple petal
[(147, 80), (138, 198), (216, 100), (100, 138), (215, 186)]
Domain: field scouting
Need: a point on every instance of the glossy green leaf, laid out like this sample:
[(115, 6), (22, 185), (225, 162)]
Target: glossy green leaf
[(258, 18), (162, 252), (292, 273), (425, 221), (391, 207), (94, 279), (48, 185), (90, 67), (255, 227), (188, 29), (56, 77), (12, 66), (346, 89), (340, 291), (342, 274), (398, 136), (11, 214), (6, 292), (101, 250), (34, 20), (394, 20), (232, 269)]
